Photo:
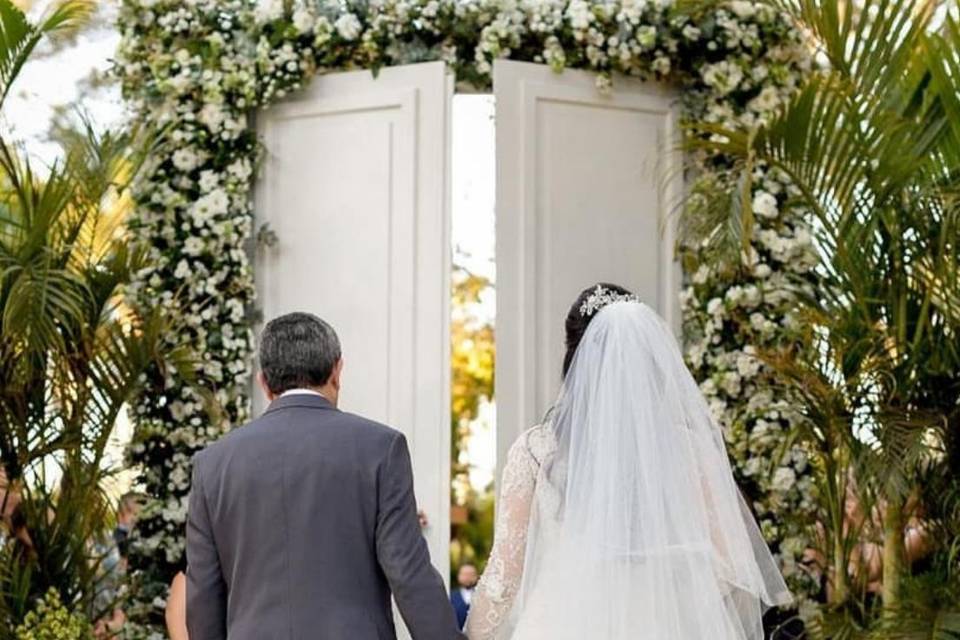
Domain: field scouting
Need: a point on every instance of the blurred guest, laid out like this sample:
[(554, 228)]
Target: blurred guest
[(127, 512), (461, 597), (9, 502), (176, 612)]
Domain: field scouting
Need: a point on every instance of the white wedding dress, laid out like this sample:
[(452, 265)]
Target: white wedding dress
[(618, 517)]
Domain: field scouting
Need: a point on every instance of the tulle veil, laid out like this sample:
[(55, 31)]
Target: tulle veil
[(650, 537)]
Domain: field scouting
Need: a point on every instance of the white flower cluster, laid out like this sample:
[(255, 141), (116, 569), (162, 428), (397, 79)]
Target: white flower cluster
[(198, 67), (728, 324)]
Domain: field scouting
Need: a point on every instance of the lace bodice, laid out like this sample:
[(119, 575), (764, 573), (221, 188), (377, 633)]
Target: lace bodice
[(520, 494)]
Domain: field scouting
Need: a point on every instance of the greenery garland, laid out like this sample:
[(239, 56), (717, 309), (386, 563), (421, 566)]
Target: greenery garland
[(199, 67)]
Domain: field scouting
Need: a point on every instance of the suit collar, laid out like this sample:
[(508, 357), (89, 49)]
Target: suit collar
[(305, 400)]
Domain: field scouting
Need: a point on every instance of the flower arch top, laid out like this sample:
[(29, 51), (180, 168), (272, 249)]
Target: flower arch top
[(200, 67)]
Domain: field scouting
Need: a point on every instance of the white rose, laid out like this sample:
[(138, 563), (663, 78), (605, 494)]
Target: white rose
[(708, 387), (647, 36), (767, 100), (765, 205), (701, 275), (580, 15), (731, 383), (747, 366), (743, 9), (212, 116), (268, 10), (690, 32), (734, 294), (348, 26), (240, 169), (751, 296), (715, 307), (724, 76), (784, 479), (303, 20), (762, 270)]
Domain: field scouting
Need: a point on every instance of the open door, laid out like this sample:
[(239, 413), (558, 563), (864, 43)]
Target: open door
[(586, 183), (354, 186)]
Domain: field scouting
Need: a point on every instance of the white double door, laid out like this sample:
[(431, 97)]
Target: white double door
[(355, 187)]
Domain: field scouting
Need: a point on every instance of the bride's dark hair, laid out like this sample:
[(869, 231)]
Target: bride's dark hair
[(577, 323)]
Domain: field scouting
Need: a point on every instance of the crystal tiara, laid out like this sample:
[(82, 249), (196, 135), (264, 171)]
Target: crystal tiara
[(601, 297)]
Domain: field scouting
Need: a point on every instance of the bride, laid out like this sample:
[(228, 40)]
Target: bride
[(619, 517)]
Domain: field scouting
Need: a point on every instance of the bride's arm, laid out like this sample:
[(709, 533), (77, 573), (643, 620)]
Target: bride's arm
[(498, 588)]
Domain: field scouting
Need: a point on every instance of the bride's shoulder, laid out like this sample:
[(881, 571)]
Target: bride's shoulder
[(537, 442)]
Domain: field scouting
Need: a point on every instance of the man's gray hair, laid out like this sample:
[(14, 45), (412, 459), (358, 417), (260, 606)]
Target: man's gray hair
[(298, 350)]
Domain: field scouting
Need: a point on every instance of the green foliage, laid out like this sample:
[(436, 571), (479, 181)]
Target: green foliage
[(872, 145), (72, 352), (51, 620)]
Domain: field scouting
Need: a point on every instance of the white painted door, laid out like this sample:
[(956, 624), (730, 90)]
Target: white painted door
[(586, 184), (354, 185)]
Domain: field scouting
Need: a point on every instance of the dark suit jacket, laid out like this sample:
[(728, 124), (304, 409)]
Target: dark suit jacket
[(460, 607), (301, 524)]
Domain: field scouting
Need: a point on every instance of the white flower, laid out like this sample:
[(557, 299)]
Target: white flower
[(580, 14), (701, 275), (783, 479), (182, 272), (240, 169), (647, 36), (747, 366), (185, 159), (708, 387), (730, 382), (724, 76), (213, 204), (762, 270), (751, 296), (715, 307), (193, 246), (268, 10), (348, 26), (743, 9), (303, 20), (734, 295), (212, 115), (765, 205), (208, 180), (767, 100), (690, 32)]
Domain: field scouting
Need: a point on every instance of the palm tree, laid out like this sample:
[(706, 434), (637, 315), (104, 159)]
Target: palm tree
[(73, 352), (872, 143)]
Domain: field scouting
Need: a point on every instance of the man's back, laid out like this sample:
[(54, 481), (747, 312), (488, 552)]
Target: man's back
[(300, 525)]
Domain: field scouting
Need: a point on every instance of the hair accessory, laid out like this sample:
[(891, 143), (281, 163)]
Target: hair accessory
[(601, 297)]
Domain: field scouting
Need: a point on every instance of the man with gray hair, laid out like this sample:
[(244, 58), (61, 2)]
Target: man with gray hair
[(303, 522)]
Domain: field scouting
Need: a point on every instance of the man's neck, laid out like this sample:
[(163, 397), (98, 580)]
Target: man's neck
[(325, 393)]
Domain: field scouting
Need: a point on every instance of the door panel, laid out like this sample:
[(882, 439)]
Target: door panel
[(354, 186), (585, 186)]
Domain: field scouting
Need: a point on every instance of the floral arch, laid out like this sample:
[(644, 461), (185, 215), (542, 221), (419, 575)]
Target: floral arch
[(200, 67)]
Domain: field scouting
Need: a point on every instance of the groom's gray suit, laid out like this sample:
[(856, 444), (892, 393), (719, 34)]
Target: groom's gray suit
[(301, 524)]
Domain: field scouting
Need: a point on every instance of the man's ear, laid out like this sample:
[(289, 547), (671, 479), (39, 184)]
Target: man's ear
[(335, 376), (262, 381)]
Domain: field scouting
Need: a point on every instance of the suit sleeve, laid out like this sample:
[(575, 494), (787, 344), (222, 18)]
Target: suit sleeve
[(403, 555), (206, 590)]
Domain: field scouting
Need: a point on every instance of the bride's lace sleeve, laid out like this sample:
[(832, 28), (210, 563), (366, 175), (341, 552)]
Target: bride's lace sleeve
[(498, 588)]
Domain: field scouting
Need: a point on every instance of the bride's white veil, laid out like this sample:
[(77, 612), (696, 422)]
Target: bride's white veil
[(654, 540)]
